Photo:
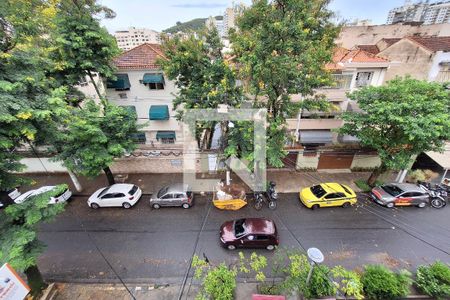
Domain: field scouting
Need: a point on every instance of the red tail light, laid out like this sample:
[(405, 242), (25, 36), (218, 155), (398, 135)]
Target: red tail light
[(131, 198)]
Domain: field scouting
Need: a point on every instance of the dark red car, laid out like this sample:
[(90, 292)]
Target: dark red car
[(249, 233)]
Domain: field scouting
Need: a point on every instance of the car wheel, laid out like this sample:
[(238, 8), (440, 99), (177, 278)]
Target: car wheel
[(156, 206), (231, 247), (315, 206), (390, 205), (346, 204), (126, 205), (270, 247), (421, 204), (94, 205), (185, 206)]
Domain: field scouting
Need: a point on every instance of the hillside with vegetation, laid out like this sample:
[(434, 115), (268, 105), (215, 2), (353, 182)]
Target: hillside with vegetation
[(192, 25)]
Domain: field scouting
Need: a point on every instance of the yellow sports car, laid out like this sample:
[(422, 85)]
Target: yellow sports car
[(327, 194)]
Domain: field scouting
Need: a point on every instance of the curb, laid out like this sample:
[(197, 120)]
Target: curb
[(50, 292)]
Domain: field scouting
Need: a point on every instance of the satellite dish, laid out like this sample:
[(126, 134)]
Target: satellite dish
[(315, 255)]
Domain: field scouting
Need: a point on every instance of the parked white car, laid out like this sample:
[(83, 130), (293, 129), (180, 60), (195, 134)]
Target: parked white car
[(64, 196), (119, 194)]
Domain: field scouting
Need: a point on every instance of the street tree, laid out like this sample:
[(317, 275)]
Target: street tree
[(281, 48), (401, 119), (82, 47), (29, 99), (94, 136), (203, 76), (19, 243)]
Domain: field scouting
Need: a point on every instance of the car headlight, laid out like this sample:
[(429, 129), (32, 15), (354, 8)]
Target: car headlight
[(309, 201)]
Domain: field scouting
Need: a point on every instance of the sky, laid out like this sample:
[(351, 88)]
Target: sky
[(162, 14)]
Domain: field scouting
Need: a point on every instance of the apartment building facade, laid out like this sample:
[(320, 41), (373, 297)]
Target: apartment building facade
[(314, 142), (133, 37), (423, 12), (141, 87)]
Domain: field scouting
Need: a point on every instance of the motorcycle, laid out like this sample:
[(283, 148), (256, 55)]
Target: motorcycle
[(438, 194), (271, 195)]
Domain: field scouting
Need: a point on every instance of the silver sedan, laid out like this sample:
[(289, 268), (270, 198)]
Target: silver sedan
[(400, 194)]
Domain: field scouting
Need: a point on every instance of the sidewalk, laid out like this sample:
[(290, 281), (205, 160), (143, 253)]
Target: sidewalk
[(70, 291), (287, 181)]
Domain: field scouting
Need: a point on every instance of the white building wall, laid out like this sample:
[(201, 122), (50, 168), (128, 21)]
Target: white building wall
[(143, 98), (439, 57)]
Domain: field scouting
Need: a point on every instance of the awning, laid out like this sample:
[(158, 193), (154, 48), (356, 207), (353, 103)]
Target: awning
[(121, 83), (165, 135), (443, 159), (315, 137), (131, 109), (153, 78), (159, 112)]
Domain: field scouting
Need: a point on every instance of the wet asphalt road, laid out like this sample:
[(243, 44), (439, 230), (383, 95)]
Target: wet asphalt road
[(146, 245)]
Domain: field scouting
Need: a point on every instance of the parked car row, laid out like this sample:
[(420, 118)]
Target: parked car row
[(127, 195), (244, 232)]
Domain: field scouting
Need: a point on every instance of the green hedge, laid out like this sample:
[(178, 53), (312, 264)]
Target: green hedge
[(434, 280), (380, 283)]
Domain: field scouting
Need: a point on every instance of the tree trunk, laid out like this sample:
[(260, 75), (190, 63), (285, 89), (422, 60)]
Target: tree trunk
[(376, 174), (109, 175), (100, 96), (75, 181), (35, 280)]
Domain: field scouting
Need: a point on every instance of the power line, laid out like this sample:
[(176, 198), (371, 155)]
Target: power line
[(103, 256), (180, 294)]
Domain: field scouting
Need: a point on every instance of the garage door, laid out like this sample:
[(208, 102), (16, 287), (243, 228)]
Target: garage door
[(335, 161)]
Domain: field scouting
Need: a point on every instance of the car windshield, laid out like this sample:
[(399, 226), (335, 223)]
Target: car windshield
[(392, 190), (162, 191), (104, 191), (62, 193), (239, 227), (133, 190), (318, 191)]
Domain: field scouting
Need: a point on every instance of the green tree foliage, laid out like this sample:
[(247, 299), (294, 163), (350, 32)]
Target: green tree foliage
[(403, 118), (281, 48), (28, 99), (19, 244), (203, 77), (81, 46), (434, 280), (349, 282), (218, 282), (92, 138), (380, 283)]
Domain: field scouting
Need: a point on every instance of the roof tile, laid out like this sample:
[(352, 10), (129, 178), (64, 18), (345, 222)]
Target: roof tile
[(435, 43), (343, 55), (144, 56)]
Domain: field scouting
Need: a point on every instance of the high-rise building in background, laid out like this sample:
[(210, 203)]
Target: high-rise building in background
[(133, 37), (216, 22), (422, 11), (224, 23)]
